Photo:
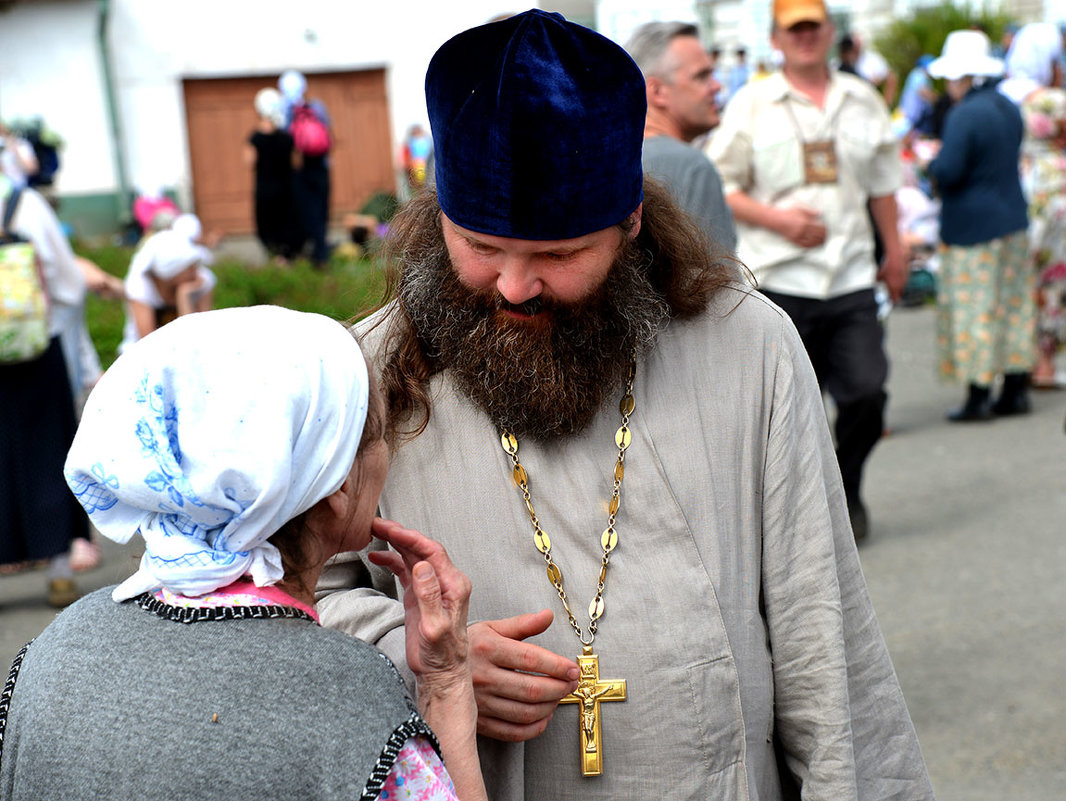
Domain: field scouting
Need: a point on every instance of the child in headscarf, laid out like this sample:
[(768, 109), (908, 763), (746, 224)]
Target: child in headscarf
[(245, 446), (168, 277)]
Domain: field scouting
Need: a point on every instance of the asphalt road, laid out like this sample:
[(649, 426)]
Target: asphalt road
[(966, 564)]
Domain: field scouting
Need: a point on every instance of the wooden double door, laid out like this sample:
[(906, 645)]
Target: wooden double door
[(220, 117)]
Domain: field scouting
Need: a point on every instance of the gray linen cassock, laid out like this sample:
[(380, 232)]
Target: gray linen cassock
[(734, 548)]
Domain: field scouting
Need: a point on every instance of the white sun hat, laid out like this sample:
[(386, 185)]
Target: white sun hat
[(966, 53)]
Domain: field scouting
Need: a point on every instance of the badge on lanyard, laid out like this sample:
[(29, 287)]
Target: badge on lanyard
[(820, 162)]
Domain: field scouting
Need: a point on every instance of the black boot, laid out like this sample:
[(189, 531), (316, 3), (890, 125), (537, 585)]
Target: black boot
[(1014, 398), (978, 406)]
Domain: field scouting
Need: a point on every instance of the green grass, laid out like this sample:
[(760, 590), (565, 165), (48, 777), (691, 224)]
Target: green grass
[(343, 289)]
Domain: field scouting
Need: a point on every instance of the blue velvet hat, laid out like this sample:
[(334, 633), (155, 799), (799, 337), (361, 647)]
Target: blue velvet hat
[(538, 125)]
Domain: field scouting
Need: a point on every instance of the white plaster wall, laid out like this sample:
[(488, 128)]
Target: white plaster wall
[(157, 45), (49, 66)]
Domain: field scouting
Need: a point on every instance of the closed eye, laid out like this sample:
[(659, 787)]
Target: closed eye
[(480, 247), (565, 255)]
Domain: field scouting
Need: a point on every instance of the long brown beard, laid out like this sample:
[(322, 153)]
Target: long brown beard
[(540, 378)]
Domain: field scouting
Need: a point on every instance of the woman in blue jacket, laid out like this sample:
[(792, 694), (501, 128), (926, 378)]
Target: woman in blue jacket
[(986, 315)]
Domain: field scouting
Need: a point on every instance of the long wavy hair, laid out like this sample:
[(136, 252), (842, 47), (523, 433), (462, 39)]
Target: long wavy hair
[(684, 267)]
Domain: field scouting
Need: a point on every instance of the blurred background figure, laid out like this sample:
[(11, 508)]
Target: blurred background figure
[(38, 515), (1035, 82), (917, 98), (153, 211), (762, 70), (168, 277), (848, 55), (867, 64), (307, 121), (800, 198), (1000, 49), (740, 71), (270, 152), (18, 162), (986, 313), (720, 76), (681, 91), (416, 157)]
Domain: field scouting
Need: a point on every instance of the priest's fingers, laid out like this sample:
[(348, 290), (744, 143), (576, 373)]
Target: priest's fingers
[(514, 695), (510, 732), (499, 642), (520, 627), (495, 696), (515, 682)]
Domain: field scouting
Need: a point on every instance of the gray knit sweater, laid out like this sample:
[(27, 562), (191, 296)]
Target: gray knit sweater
[(125, 701)]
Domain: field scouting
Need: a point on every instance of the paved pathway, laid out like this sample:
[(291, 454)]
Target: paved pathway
[(966, 564)]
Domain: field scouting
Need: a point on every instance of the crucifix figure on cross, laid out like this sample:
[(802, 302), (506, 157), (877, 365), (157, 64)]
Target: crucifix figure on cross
[(589, 693)]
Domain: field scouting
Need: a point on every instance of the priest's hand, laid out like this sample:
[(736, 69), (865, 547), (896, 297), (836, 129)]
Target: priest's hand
[(517, 684)]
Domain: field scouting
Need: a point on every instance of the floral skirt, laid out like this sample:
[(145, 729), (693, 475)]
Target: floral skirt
[(986, 310)]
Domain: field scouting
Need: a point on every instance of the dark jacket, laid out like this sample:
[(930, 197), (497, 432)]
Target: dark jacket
[(976, 173)]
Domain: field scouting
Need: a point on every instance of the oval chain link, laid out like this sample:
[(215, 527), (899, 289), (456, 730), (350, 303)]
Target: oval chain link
[(609, 538)]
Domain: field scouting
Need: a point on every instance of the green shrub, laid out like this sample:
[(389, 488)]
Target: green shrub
[(341, 291)]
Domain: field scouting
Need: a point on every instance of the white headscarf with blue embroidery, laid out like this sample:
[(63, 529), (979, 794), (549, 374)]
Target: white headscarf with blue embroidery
[(212, 432)]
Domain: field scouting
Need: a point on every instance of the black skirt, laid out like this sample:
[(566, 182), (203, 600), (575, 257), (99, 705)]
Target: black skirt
[(38, 513)]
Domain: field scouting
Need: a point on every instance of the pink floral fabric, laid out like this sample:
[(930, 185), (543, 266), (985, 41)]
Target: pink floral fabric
[(1044, 180), (418, 775)]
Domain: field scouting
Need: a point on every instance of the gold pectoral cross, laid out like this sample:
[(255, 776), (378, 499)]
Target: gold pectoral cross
[(589, 693)]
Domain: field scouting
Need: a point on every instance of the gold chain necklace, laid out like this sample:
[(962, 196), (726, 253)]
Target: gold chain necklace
[(591, 690)]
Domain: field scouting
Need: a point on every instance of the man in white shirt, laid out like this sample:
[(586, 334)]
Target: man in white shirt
[(800, 154)]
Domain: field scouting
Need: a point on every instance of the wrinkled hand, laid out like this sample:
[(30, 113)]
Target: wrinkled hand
[(517, 684), (436, 598), (803, 227)]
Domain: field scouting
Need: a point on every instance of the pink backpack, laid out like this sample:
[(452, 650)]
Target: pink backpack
[(309, 133)]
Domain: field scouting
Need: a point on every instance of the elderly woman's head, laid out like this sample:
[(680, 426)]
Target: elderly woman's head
[(212, 433), (341, 521)]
